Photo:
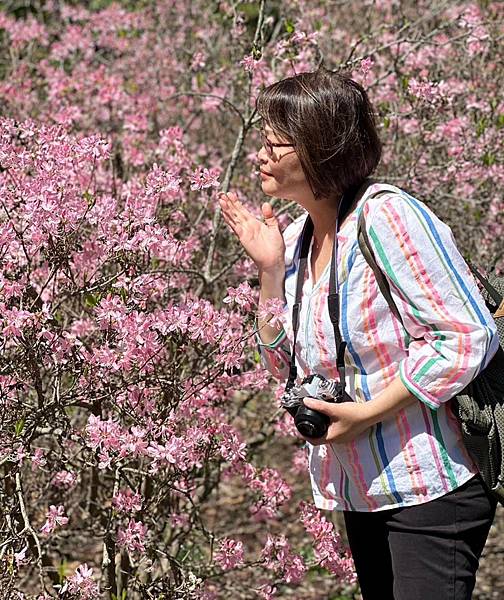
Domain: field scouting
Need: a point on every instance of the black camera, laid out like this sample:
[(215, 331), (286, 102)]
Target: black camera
[(312, 423)]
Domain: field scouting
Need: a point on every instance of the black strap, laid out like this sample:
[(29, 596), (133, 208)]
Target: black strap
[(492, 292), (306, 236)]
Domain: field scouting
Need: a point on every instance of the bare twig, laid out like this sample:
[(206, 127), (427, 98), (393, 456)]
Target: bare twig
[(28, 527)]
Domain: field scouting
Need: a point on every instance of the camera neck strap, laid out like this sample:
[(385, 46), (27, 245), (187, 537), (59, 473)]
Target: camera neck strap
[(345, 204)]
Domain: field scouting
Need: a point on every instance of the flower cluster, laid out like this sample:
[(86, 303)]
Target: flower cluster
[(55, 518), (133, 537), (328, 548), (229, 554), (82, 584), (279, 557)]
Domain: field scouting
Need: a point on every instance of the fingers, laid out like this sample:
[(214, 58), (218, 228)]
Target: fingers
[(326, 408), (269, 217), (267, 210)]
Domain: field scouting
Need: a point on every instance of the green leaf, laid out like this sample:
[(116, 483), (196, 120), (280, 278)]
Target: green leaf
[(488, 159), (62, 570), (386, 122), (250, 10), (289, 26), (481, 125), (257, 357), (91, 300), (89, 198), (19, 427), (500, 121)]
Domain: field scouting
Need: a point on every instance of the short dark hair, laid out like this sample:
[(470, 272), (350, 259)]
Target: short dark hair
[(329, 119)]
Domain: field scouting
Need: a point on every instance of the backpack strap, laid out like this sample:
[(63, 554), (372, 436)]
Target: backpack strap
[(383, 284), (492, 292), (365, 247)]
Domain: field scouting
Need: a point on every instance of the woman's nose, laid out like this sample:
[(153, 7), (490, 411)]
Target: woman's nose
[(262, 155)]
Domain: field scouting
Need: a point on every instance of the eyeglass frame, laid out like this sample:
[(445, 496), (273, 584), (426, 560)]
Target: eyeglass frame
[(268, 146)]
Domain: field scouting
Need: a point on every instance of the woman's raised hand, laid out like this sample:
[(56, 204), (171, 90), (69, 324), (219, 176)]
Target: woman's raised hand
[(262, 241)]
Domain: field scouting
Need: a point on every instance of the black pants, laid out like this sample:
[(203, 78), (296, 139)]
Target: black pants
[(425, 552)]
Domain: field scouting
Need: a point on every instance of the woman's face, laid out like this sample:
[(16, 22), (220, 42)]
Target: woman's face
[(281, 173)]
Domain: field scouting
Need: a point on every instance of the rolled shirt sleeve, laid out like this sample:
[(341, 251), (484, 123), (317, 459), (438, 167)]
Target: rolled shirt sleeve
[(453, 334)]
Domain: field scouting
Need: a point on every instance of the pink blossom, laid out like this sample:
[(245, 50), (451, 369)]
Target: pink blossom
[(198, 61), (20, 557), (82, 584), (230, 554), (127, 501), (162, 182), (249, 63), (267, 592), (272, 490), (278, 556), (273, 309), (204, 178), (55, 518), (366, 65), (329, 548), (425, 90), (38, 459), (133, 537), (64, 479), (243, 295), (300, 461)]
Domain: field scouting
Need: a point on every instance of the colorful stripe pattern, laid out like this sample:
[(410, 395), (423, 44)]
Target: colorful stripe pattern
[(448, 335)]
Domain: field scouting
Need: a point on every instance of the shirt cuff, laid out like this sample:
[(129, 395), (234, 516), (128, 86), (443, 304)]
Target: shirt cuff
[(420, 392), (275, 343)]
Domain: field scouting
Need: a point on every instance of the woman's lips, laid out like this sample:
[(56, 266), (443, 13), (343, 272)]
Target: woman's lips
[(266, 174)]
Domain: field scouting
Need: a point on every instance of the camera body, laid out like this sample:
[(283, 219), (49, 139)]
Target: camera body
[(312, 423)]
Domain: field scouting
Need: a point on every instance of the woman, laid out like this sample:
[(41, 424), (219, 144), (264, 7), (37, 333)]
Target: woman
[(416, 511)]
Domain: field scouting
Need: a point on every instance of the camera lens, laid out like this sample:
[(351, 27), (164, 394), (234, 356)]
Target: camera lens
[(311, 423)]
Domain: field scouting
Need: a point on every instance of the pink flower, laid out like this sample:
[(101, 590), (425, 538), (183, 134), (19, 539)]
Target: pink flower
[(82, 584), (272, 310), (279, 557), (55, 517), (272, 491), (20, 557), (249, 63), (132, 538), (329, 548), (230, 554), (205, 178), (366, 65), (159, 181), (64, 479), (425, 90), (127, 501), (243, 295), (267, 592), (38, 459)]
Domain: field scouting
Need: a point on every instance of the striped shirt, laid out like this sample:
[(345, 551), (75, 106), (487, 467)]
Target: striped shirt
[(447, 337)]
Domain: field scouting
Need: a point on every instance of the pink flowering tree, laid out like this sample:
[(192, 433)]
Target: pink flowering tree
[(143, 452)]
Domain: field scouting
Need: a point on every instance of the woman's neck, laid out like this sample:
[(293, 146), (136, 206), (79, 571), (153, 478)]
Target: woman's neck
[(323, 216)]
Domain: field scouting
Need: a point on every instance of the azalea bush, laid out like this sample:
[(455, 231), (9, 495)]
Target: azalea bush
[(143, 451)]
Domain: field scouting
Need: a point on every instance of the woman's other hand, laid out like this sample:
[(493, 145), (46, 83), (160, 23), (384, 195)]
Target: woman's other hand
[(350, 419), (347, 420), (262, 241)]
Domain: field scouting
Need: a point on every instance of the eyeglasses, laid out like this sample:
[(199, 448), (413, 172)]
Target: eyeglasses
[(268, 146)]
